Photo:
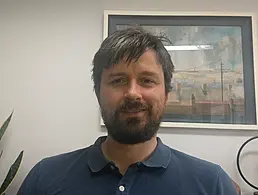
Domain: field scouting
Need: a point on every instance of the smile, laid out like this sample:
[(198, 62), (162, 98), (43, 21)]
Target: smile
[(133, 112)]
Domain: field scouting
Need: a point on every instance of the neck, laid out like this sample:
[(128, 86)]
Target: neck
[(123, 155)]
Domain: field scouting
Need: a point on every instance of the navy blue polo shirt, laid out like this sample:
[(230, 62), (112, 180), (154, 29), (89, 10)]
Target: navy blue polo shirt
[(88, 172)]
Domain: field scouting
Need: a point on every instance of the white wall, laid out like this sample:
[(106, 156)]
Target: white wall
[(46, 49)]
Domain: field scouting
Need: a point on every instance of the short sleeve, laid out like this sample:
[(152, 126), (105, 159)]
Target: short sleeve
[(225, 185), (30, 183)]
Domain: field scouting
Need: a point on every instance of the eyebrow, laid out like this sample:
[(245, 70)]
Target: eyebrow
[(154, 75), (143, 73), (118, 74), (148, 73)]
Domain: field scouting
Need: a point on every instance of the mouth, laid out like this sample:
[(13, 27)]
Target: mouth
[(133, 111)]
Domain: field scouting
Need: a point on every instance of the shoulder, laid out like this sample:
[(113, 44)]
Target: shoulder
[(55, 166), (51, 170), (192, 163), (201, 175), (64, 158)]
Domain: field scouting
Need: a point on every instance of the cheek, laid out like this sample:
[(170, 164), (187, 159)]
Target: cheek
[(161, 104), (156, 100), (110, 98)]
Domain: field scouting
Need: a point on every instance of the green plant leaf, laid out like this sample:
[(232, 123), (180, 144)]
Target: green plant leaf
[(5, 125), (11, 173)]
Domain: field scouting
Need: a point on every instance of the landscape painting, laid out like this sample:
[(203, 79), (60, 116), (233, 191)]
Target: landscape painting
[(213, 81)]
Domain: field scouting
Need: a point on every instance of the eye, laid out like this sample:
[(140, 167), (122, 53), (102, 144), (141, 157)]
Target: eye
[(118, 81), (147, 81)]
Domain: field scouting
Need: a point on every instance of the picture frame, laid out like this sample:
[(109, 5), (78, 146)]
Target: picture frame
[(232, 77)]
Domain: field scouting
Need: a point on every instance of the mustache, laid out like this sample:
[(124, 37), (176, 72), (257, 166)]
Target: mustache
[(133, 105)]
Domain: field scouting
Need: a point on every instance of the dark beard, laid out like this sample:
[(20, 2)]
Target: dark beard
[(131, 130)]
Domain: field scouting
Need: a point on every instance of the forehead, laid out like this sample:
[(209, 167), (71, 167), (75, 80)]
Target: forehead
[(147, 62)]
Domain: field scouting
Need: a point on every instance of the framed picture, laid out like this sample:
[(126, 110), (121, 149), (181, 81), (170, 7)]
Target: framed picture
[(215, 60)]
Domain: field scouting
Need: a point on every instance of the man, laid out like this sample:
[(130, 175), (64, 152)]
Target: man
[(132, 74)]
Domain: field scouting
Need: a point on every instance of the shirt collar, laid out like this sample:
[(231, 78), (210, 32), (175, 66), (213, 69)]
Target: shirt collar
[(97, 161), (159, 158)]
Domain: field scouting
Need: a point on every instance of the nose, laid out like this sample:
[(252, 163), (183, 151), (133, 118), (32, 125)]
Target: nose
[(133, 92)]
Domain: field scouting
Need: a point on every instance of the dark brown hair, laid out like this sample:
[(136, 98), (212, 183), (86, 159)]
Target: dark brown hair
[(129, 44)]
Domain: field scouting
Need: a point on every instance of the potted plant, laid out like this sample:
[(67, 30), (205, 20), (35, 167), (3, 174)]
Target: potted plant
[(15, 166)]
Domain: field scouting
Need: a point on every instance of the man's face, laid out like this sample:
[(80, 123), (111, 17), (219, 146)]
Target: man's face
[(132, 99)]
